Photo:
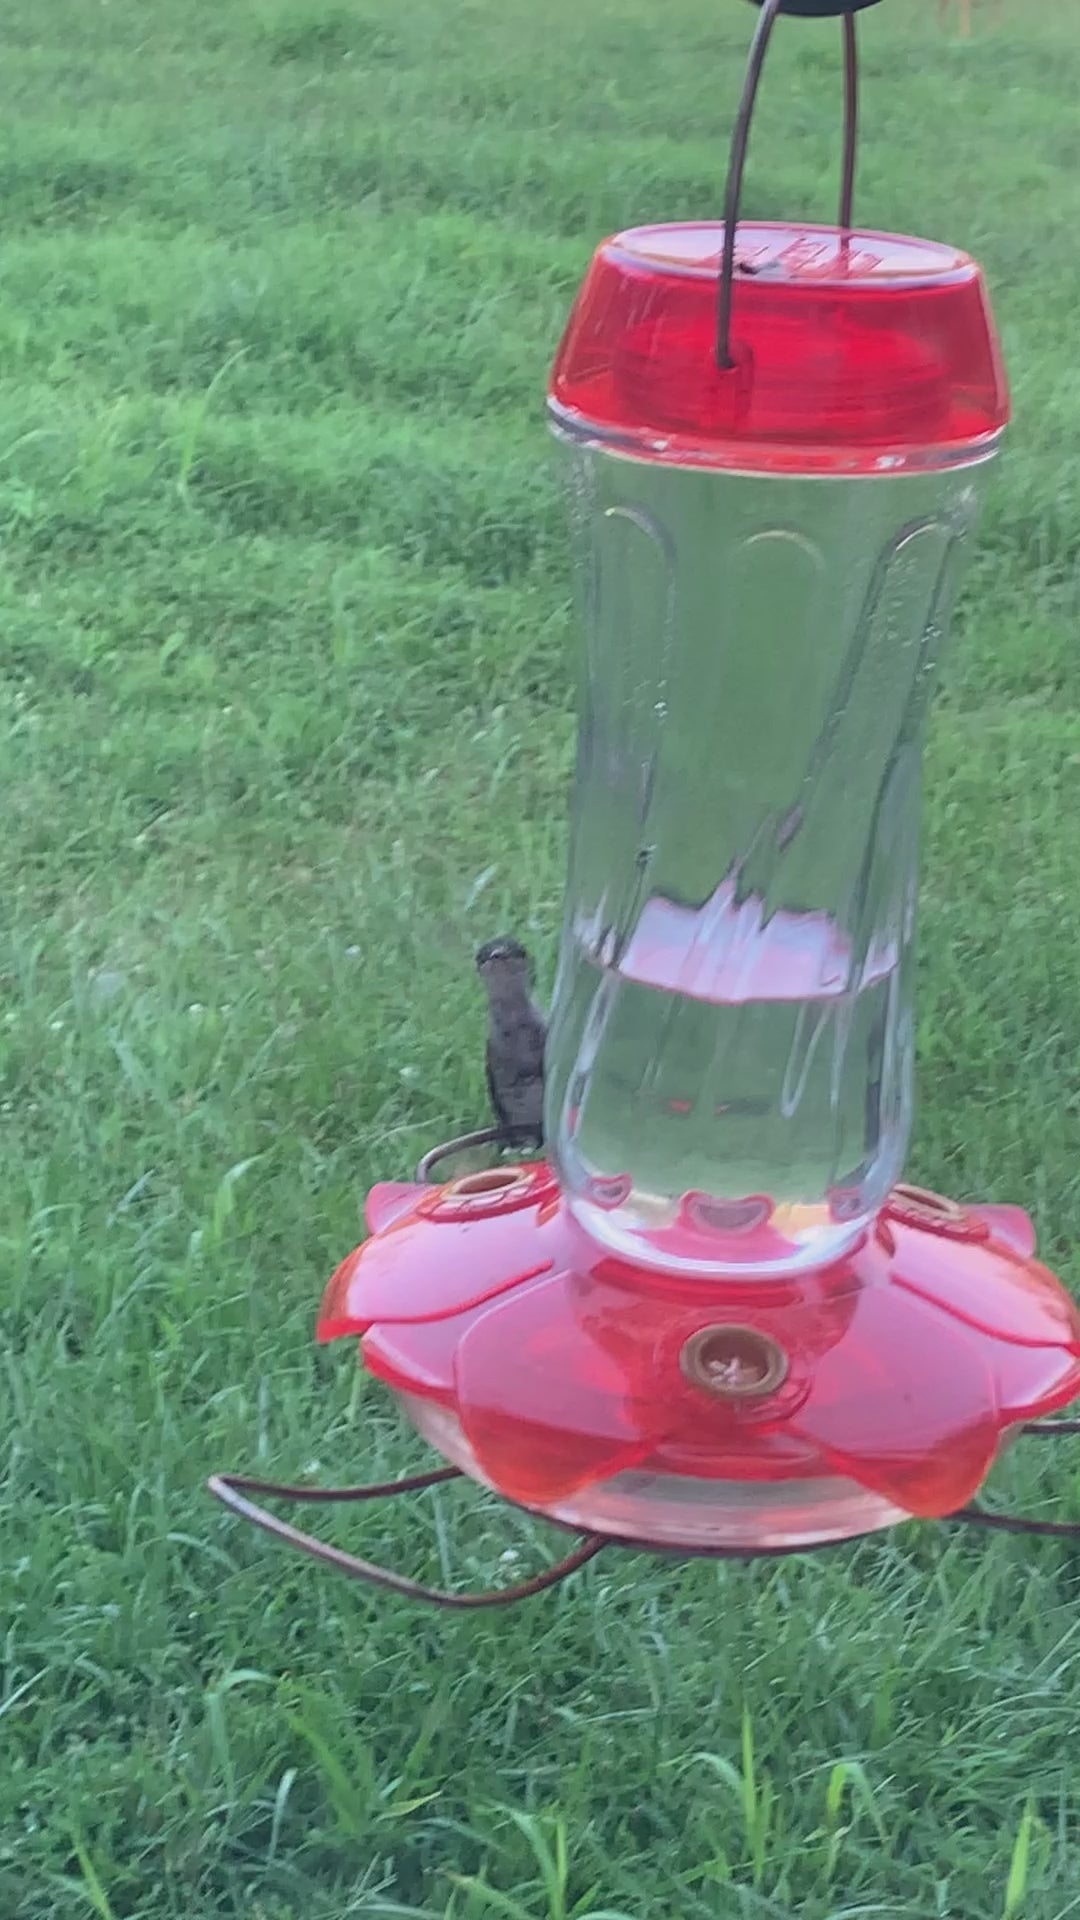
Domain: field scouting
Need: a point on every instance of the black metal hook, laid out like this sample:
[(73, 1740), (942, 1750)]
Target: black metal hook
[(821, 9)]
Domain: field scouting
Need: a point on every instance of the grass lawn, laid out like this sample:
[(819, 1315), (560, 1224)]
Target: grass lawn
[(287, 720)]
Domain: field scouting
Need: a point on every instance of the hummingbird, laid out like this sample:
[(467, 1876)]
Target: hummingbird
[(516, 1036)]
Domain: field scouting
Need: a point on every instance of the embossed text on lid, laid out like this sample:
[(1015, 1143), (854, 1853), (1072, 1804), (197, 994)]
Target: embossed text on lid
[(797, 253)]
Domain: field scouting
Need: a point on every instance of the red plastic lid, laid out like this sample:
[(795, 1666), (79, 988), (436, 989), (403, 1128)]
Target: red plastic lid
[(865, 353)]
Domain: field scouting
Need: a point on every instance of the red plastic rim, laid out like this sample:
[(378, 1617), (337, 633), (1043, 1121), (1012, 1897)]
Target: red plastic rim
[(862, 353)]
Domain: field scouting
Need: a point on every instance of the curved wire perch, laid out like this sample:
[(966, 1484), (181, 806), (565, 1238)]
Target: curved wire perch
[(226, 1484), (231, 1489), (740, 142), (1016, 1522), (465, 1142)]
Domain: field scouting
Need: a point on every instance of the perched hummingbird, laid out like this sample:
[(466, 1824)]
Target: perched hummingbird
[(516, 1035)]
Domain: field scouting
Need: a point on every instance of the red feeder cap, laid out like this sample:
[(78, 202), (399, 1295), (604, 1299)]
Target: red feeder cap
[(852, 354)]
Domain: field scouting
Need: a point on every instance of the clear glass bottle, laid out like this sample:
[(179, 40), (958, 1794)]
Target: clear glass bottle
[(767, 577)]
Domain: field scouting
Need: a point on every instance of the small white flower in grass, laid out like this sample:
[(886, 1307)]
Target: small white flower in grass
[(196, 1007), (352, 953), (56, 1026)]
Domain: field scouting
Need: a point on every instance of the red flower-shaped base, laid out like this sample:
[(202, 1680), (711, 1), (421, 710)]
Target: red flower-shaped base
[(708, 1413)]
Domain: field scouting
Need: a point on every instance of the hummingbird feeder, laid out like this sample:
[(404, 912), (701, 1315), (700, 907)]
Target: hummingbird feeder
[(713, 1320)]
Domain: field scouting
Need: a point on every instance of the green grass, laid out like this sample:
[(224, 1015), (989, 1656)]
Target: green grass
[(287, 721)]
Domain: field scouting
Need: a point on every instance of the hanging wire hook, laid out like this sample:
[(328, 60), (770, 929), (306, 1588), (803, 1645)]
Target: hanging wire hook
[(740, 142), (851, 124)]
